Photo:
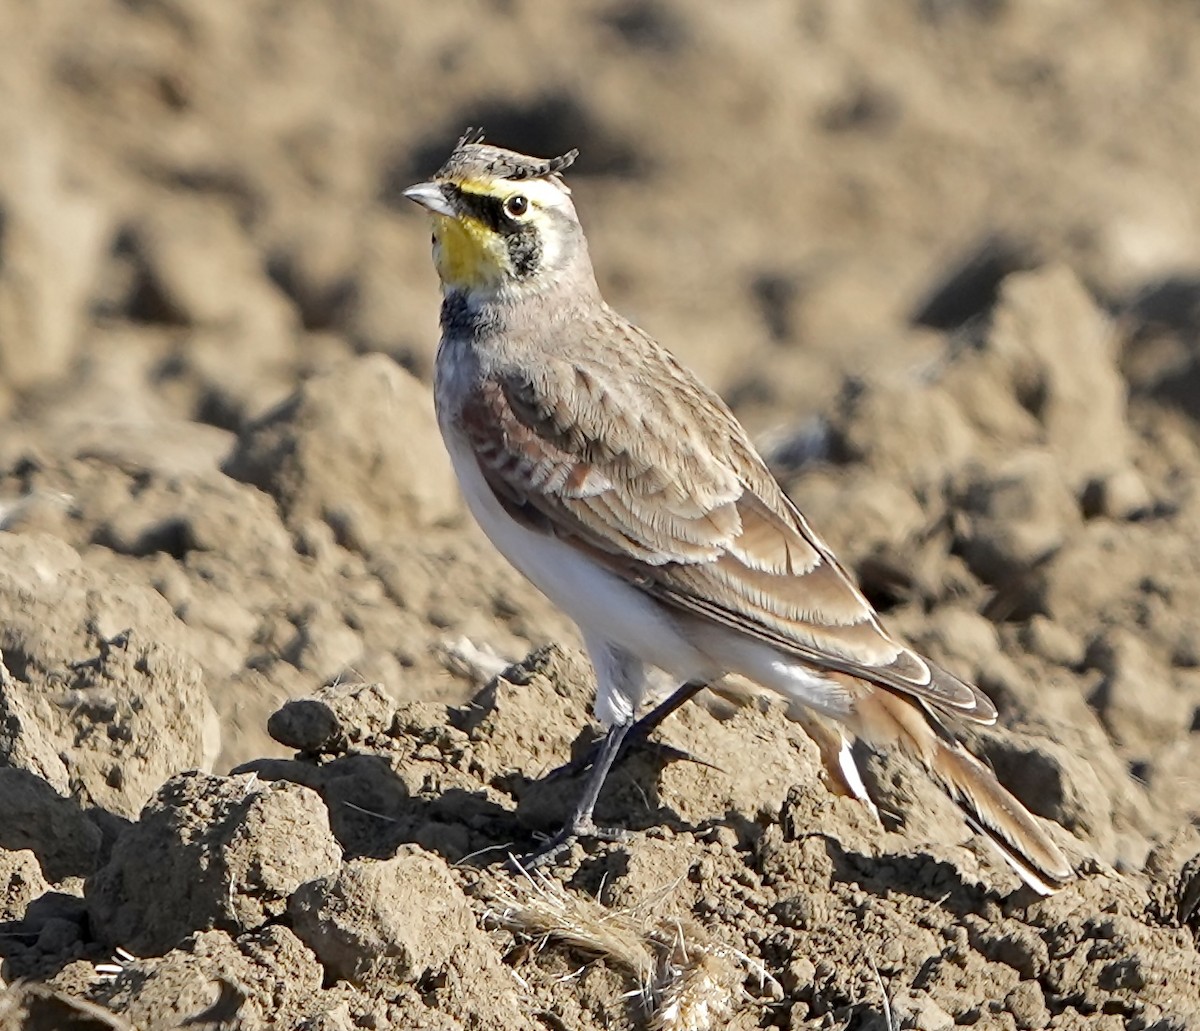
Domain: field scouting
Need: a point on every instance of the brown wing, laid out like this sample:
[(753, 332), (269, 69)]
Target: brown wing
[(653, 475)]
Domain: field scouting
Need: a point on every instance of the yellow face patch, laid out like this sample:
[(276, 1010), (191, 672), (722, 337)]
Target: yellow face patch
[(468, 254)]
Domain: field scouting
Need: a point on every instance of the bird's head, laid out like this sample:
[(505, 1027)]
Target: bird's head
[(503, 223)]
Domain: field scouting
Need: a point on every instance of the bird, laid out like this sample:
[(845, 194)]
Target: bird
[(629, 494)]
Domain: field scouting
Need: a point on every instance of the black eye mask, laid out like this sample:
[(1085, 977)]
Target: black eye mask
[(522, 238)]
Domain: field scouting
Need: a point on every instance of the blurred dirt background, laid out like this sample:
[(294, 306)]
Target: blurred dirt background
[(943, 257)]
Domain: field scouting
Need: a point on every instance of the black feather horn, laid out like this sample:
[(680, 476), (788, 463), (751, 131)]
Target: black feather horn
[(544, 168), (471, 136)]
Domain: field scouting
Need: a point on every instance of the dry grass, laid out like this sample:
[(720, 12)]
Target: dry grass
[(685, 980)]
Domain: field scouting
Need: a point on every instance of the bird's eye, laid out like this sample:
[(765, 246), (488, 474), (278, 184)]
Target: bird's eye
[(517, 205)]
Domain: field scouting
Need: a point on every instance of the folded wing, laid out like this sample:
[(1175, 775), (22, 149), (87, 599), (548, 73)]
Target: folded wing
[(665, 489)]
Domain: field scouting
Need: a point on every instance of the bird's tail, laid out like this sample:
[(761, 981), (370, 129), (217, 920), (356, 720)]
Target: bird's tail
[(993, 811), (885, 719)]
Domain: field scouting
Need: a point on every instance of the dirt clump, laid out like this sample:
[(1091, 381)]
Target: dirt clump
[(229, 851), (239, 889), (273, 713), (347, 449)]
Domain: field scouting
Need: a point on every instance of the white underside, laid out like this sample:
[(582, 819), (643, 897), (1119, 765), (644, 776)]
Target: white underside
[(610, 611)]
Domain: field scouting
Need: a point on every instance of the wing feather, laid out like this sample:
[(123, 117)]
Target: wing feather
[(667, 490)]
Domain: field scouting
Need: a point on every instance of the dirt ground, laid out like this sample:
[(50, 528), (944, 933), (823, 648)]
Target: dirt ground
[(257, 769)]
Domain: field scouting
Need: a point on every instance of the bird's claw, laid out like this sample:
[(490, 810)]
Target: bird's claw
[(555, 846)]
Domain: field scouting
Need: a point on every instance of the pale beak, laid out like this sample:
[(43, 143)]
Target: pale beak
[(431, 197)]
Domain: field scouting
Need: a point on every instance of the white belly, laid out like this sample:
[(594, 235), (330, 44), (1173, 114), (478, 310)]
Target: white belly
[(603, 605)]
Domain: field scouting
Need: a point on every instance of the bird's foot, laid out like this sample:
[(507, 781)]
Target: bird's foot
[(582, 828)]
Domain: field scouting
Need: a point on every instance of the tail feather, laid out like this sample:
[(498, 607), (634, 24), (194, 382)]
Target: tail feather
[(993, 812), (888, 720)]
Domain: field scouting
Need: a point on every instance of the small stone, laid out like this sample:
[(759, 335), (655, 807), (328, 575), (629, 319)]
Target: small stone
[(384, 920), (1015, 515), (333, 717), (917, 1010), (1137, 701), (1052, 641), (1062, 354), (1121, 495), (376, 1019), (1021, 948), (21, 882), (798, 978), (795, 911), (306, 724)]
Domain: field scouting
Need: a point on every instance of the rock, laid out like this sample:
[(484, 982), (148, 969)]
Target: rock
[(1016, 514), (357, 447), (101, 698), (1138, 700), (1052, 641), (398, 919), (1028, 1006), (260, 979), (222, 852), (1092, 571), (917, 442), (36, 817), (333, 718), (1020, 948), (1061, 354), (51, 246), (21, 882), (202, 512), (143, 708), (198, 268), (917, 1010), (305, 724), (1120, 495)]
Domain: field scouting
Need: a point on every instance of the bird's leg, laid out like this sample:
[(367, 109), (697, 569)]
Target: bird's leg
[(637, 733), (581, 824), (649, 723), (601, 759)]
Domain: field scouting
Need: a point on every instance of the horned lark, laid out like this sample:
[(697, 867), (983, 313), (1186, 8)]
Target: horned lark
[(628, 493)]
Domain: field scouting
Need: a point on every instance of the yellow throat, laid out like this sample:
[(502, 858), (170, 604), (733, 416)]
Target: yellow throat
[(468, 255)]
